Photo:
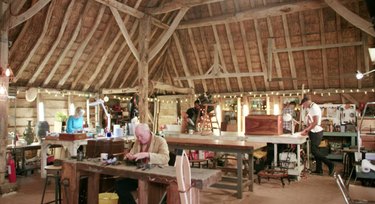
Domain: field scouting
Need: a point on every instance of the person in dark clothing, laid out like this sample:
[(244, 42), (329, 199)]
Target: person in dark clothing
[(192, 116)]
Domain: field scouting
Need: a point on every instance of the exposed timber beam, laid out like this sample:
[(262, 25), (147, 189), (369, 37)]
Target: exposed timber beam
[(128, 72), (122, 7), (221, 75), (166, 36), (178, 4), (351, 17), (120, 91), (16, 20), (247, 55), (183, 59), (324, 51), (82, 48), (56, 42), (255, 13), (317, 47), (167, 87), (125, 32), (290, 54), (173, 65), (15, 7), (271, 56), (197, 59), (36, 45), (261, 54), (305, 53), (63, 54)]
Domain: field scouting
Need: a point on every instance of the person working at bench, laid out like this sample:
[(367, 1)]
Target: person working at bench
[(315, 133), (192, 115), (148, 148), (75, 122)]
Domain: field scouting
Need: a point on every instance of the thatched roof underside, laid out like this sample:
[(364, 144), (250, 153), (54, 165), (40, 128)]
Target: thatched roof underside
[(77, 44)]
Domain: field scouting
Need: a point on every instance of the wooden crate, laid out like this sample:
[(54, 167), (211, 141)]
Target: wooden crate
[(263, 125), (71, 137)]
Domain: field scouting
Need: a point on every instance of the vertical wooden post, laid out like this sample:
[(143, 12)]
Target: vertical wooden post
[(4, 50), (144, 41)]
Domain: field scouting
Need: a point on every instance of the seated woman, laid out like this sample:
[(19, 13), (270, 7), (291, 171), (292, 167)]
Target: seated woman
[(75, 122)]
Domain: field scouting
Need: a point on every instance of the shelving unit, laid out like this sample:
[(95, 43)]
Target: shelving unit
[(344, 135)]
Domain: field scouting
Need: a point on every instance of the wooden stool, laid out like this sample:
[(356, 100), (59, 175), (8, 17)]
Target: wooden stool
[(274, 174), (53, 172)]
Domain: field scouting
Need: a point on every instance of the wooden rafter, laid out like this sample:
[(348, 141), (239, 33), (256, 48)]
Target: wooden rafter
[(168, 87), (234, 56), (36, 45), (290, 54), (317, 47), (15, 7), (130, 70), (261, 54), (104, 58), (339, 50), (255, 13), (16, 20), (120, 67), (63, 54), (120, 91), (183, 59), (178, 4), (305, 53), (173, 65), (167, 34), (324, 52), (125, 33), (247, 55), (275, 56), (153, 67), (81, 48), (197, 59), (351, 17), (47, 57), (95, 50)]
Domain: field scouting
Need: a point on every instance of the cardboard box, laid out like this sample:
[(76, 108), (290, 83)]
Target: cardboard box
[(263, 125), (357, 192)]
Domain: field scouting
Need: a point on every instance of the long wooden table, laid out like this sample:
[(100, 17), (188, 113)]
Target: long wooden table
[(219, 145), (149, 181)]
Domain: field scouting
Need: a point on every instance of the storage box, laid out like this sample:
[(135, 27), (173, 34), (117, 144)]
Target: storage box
[(71, 137), (263, 125)]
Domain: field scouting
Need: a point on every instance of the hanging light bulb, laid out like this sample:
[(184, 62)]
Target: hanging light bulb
[(7, 72)]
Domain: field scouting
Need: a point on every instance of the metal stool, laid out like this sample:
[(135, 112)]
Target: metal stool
[(53, 172)]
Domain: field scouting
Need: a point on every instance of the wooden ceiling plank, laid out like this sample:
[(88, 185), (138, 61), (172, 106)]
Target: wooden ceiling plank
[(13, 7), (317, 47), (305, 53), (122, 7), (95, 50), (125, 33), (351, 17), (130, 70), (221, 56), (17, 20), (247, 55), (178, 4), (255, 13), (276, 56), (324, 52), (27, 60), (261, 54), (207, 55), (196, 55), (63, 54), (56, 42), (339, 50), (234, 56), (174, 67), (167, 34), (183, 59), (82, 48), (104, 58), (290, 54)]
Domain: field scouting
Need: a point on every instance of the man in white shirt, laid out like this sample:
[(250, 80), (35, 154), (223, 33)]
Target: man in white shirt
[(315, 132)]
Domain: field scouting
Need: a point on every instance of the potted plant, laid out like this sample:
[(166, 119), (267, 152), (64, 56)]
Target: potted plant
[(60, 122)]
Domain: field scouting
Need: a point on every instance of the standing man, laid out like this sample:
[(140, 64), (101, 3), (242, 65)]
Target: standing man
[(192, 115), (148, 149), (315, 132)]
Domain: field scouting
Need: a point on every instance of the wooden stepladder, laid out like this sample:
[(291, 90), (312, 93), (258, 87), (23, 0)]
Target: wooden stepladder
[(209, 119)]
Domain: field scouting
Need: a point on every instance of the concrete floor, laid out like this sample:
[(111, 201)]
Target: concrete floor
[(310, 189)]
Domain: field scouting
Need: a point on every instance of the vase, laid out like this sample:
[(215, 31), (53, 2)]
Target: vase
[(28, 134)]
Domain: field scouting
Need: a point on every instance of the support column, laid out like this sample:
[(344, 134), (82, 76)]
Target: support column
[(4, 50), (143, 79)]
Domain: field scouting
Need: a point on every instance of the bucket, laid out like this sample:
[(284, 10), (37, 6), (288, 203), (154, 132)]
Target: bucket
[(108, 198)]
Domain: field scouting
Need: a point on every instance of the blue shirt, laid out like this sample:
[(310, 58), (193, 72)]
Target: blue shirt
[(74, 124)]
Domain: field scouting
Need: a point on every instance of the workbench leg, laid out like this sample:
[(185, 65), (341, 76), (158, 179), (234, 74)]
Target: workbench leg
[(70, 183), (142, 192), (43, 158), (275, 154), (93, 188), (251, 173), (239, 175)]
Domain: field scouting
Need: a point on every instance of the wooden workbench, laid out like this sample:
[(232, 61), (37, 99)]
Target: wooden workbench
[(149, 190)]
